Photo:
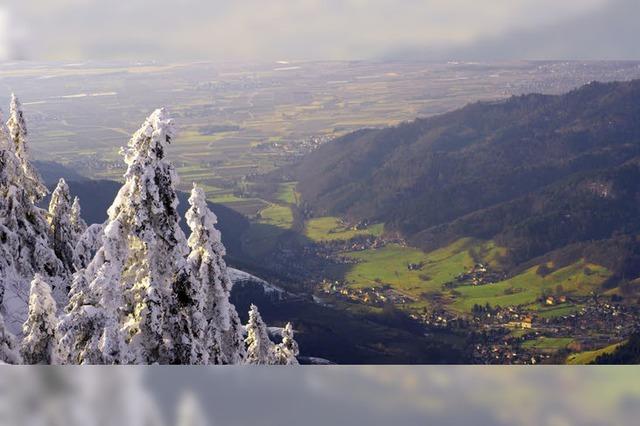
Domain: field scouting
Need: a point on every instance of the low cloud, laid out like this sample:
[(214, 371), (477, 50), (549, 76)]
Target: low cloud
[(274, 29), (5, 48)]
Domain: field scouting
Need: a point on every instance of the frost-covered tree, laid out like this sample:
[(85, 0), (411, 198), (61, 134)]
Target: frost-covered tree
[(77, 223), (214, 319), (91, 329), (287, 350), (40, 341), (156, 278), (30, 179), (233, 345), (9, 348), (80, 328), (26, 247), (62, 229), (139, 278), (89, 242), (260, 349), (142, 293)]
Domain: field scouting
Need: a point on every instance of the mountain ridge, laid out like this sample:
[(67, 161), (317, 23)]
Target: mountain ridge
[(536, 172)]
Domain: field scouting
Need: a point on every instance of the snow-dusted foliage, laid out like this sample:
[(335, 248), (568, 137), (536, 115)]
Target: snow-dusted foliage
[(25, 241), (9, 349), (139, 279), (62, 230), (260, 349), (40, 342), (287, 350), (89, 242), (29, 178), (215, 319), (142, 293), (77, 223)]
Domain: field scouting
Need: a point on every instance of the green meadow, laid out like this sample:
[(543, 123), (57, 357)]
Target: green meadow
[(580, 278), (389, 265), (588, 357)]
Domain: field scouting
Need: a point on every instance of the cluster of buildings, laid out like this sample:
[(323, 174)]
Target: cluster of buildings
[(372, 296), (479, 274)]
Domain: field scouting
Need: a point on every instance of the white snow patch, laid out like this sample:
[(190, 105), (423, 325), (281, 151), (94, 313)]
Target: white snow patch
[(238, 276)]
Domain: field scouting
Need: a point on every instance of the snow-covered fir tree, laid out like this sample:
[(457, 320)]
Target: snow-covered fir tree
[(62, 228), (30, 179), (142, 293), (214, 319), (40, 341), (78, 224), (139, 279), (287, 350), (9, 348), (26, 247), (156, 278), (260, 349), (89, 242)]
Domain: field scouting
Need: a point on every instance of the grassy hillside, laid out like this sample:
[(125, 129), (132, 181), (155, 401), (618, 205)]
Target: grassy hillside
[(389, 266), (578, 279), (588, 357)]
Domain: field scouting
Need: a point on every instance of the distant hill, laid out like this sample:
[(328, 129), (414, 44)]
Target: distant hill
[(541, 174)]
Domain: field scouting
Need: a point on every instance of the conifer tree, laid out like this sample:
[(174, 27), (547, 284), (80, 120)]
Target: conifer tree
[(40, 342), (27, 244), (287, 350), (88, 244), (260, 349), (62, 229), (147, 207), (78, 225), (30, 179), (80, 328), (9, 348), (219, 325), (139, 277)]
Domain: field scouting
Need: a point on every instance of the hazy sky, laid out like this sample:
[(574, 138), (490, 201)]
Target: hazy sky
[(304, 29)]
